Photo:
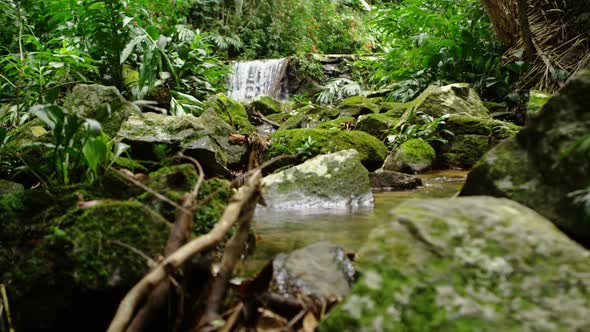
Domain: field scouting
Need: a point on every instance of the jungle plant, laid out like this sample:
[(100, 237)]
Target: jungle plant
[(337, 90), (418, 125), (309, 147), (81, 150)]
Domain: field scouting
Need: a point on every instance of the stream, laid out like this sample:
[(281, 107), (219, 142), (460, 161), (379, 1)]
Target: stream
[(284, 231)]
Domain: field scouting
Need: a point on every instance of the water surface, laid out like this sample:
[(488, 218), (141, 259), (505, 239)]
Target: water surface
[(286, 230)]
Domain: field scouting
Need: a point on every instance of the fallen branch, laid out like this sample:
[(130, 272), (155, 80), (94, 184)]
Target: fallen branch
[(231, 256), (244, 197), (180, 233), (6, 308)]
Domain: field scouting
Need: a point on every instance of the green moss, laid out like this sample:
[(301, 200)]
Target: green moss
[(412, 156), (309, 116), (232, 112), (266, 105), (357, 105), (376, 124), (371, 151), (394, 110), (537, 99), (465, 150), (456, 98), (464, 124)]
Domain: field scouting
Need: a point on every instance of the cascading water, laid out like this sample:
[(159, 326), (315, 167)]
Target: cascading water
[(256, 78)]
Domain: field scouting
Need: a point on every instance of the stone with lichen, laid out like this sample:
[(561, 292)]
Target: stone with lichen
[(467, 264)]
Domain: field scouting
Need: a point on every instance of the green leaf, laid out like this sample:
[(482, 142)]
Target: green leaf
[(95, 151)]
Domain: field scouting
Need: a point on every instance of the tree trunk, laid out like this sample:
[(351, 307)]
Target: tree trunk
[(525, 29), (499, 13)]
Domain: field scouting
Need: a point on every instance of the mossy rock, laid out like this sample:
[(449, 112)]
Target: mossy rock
[(231, 112), (467, 264), (456, 98), (538, 167), (174, 182), (102, 103), (339, 123), (537, 99), (376, 125), (464, 151), (9, 187), (309, 116), (470, 125), (85, 253), (413, 156), (334, 180), (26, 145), (357, 105), (266, 105), (372, 151), (393, 109)]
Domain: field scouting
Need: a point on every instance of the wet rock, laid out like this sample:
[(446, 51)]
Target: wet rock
[(536, 167), (389, 180), (467, 264), (358, 105), (102, 103), (413, 156), (537, 99), (9, 187), (231, 111), (336, 180), (456, 98), (371, 151), (206, 138), (265, 105), (321, 270), (376, 125)]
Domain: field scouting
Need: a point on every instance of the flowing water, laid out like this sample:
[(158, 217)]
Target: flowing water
[(256, 78), (284, 231)]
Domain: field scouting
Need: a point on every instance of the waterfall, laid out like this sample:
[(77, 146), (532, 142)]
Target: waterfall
[(256, 78)]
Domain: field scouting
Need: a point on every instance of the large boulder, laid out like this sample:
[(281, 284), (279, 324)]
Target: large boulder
[(102, 103), (472, 138), (206, 138), (467, 264), (80, 255), (456, 98), (539, 168), (413, 156), (372, 151), (336, 180), (321, 270)]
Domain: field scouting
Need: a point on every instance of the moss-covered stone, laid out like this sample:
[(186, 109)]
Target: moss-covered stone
[(206, 138), (465, 151), (467, 264), (372, 151), (376, 125), (102, 103), (357, 105), (456, 98), (537, 99), (538, 167), (266, 105), (231, 112), (83, 252), (335, 180), (309, 116), (470, 125), (174, 182), (8, 187), (413, 156), (393, 109)]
